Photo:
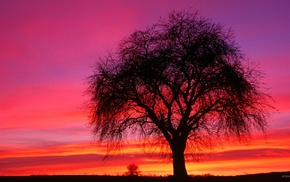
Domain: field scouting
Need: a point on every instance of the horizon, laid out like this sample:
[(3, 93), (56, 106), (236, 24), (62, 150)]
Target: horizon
[(283, 173), (48, 50)]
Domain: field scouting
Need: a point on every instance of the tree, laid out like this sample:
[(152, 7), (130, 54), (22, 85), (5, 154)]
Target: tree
[(132, 170), (180, 82)]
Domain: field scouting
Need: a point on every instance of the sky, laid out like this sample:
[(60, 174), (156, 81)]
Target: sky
[(49, 48)]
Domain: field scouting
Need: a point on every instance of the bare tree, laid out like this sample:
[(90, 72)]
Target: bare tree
[(180, 82), (132, 170)]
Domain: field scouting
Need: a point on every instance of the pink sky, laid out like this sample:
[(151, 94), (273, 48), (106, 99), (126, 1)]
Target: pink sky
[(48, 48)]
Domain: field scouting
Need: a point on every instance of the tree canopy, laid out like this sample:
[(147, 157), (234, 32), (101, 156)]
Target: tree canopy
[(180, 82), (133, 170)]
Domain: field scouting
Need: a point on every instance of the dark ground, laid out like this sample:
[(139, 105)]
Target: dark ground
[(267, 177)]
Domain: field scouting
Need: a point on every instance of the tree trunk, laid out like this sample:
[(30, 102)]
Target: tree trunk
[(179, 170)]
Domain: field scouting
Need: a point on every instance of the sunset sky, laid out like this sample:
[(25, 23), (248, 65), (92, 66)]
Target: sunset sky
[(48, 48)]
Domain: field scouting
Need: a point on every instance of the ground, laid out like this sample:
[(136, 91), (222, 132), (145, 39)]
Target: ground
[(267, 177)]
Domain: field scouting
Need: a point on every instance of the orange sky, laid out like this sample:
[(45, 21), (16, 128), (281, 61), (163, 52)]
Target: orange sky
[(260, 155), (48, 48)]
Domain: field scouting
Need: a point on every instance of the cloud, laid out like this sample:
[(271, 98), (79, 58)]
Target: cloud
[(66, 159)]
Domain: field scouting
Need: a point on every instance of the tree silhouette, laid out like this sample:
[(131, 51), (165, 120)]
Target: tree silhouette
[(180, 82), (132, 170)]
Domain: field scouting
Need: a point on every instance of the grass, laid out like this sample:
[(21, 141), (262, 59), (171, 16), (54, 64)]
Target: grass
[(265, 177)]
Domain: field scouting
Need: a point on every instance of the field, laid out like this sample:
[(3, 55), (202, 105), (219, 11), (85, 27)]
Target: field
[(267, 177)]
